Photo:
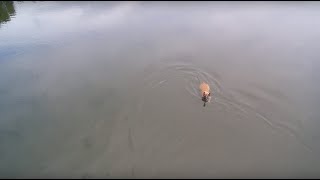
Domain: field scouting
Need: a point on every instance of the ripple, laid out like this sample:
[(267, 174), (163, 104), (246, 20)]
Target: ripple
[(191, 76)]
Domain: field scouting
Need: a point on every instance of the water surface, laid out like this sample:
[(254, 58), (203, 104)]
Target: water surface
[(110, 89)]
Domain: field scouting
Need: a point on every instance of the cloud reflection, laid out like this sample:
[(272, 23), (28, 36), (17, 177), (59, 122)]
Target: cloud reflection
[(61, 22)]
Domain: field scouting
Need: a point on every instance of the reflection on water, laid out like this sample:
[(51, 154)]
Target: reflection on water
[(6, 11), (110, 89)]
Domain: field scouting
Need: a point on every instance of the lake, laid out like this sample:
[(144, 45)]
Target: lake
[(111, 89)]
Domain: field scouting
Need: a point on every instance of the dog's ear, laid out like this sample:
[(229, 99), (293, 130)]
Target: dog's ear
[(203, 94), (209, 94)]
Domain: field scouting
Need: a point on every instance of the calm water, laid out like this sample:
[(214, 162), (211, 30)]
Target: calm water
[(110, 89)]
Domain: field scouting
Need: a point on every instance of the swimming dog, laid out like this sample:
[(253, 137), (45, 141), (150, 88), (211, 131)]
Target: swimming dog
[(205, 91)]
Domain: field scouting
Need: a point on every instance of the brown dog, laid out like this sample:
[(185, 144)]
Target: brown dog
[(205, 91)]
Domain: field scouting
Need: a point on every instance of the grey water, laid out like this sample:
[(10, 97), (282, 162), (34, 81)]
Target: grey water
[(111, 89)]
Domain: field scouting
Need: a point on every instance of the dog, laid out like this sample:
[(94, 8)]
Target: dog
[(205, 91)]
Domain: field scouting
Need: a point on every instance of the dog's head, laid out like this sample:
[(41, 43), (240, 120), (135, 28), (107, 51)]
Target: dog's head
[(206, 96)]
